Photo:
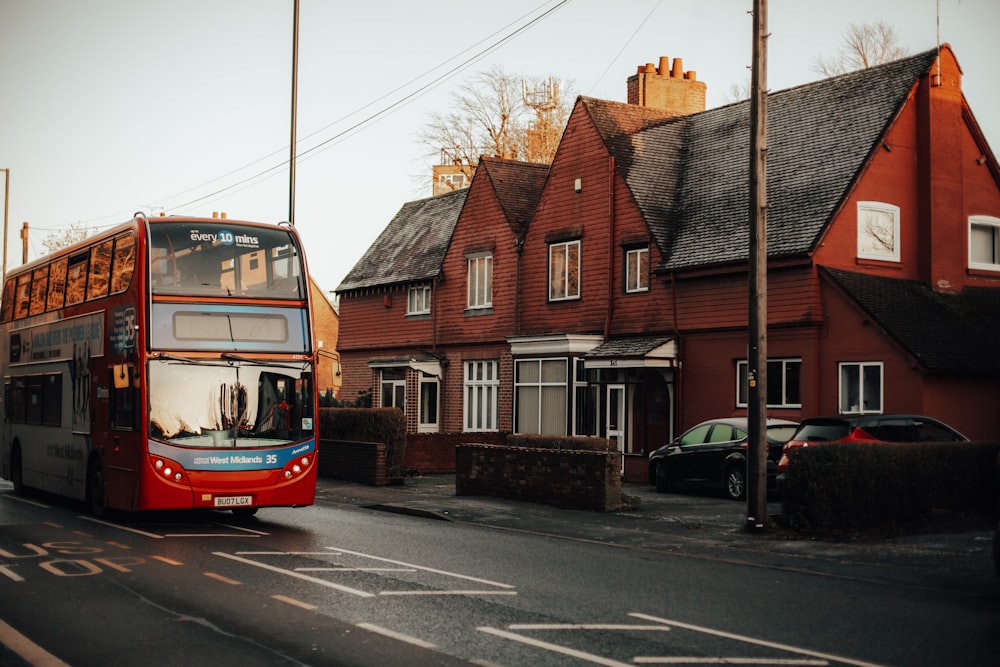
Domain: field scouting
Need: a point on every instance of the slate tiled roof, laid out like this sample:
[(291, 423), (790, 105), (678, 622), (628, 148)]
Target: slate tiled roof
[(944, 332), (690, 175), (518, 186), (627, 347), (412, 247)]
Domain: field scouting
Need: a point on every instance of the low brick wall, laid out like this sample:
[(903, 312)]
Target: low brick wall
[(363, 462), (434, 453), (568, 478)]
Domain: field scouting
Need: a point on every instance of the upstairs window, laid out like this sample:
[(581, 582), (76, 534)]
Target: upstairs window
[(984, 242), (564, 271), (878, 231), (637, 270), (480, 287), (419, 301)]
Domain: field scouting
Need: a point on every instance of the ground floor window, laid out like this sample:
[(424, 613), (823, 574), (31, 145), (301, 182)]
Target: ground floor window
[(541, 392), (783, 387), (393, 384), (482, 388), (860, 387)]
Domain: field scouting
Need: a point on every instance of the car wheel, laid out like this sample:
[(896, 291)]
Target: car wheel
[(662, 482), (736, 482)]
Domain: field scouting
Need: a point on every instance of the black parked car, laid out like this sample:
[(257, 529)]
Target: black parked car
[(713, 453)]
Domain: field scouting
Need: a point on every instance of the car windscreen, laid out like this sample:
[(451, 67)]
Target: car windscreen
[(821, 432), (783, 433)]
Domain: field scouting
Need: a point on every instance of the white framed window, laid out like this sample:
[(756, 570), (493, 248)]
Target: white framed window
[(419, 300), (393, 385), (637, 270), (783, 383), (860, 387), (482, 390), (564, 271), (480, 281), (984, 242), (878, 231), (586, 401), (429, 388), (540, 392)]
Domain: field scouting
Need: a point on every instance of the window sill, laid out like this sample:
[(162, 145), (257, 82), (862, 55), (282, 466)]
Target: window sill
[(476, 312)]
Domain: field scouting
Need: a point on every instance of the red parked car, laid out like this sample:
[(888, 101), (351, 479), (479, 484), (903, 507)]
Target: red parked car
[(867, 428)]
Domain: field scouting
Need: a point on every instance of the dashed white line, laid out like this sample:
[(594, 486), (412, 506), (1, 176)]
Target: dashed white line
[(396, 635), (297, 575)]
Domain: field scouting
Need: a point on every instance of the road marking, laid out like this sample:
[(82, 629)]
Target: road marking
[(416, 593), (354, 569), (751, 640), (168, 561), (728, 661), (396, 635), (209, 535), (32, 653), (28, 502), (121, 527), (297, 575), (424, 569), (294, 602), (119, 545), (10, 574), (587, 626), (555, 648), (225, 580)]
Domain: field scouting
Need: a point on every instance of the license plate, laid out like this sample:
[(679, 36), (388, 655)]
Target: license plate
[(233, 501)]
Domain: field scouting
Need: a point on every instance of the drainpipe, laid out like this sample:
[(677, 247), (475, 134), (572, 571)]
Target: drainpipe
[(679, 366), (611, 246), (518, 249)]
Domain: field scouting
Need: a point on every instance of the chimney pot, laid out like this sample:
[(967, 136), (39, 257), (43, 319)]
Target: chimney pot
[(664, 65), (650, 68), (678, 71)]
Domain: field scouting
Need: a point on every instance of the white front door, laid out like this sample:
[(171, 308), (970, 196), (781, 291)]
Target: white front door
[(616, 417)]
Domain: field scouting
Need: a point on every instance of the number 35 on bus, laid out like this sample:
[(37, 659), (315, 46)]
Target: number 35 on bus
[(163, 364)]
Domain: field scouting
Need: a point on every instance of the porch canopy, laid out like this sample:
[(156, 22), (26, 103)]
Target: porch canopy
[(640, 352)]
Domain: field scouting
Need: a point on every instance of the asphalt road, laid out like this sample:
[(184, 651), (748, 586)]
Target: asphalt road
[(414, 575)]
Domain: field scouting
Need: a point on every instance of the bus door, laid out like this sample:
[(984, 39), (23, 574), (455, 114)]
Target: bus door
[(120, 423)]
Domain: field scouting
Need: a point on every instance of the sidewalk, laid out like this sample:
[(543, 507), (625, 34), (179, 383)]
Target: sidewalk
[(679, 523)]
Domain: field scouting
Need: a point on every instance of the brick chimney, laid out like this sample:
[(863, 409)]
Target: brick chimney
[(667, 88)]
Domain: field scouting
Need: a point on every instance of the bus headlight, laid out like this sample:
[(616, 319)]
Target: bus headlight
[(297, 467), (169, 469)]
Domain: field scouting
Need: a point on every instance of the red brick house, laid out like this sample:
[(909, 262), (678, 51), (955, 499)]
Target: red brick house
[(620, 309)]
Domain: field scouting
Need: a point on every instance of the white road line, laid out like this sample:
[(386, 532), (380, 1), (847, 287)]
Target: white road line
[(291, 573), (210, 535), (294, 602), (681, 660), (425, 569), (757, 642), (225, 580), (28, 502), (588, 626), (555, 648), (425, 592), (396, 635), (354, 569), (31, 652), (121, 527)]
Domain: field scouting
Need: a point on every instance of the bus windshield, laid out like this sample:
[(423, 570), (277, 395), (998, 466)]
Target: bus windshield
[(220, 259), (229, 404)]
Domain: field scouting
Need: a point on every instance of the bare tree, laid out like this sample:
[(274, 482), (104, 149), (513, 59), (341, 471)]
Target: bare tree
[(864, 45), (500, 115), (66, 237)]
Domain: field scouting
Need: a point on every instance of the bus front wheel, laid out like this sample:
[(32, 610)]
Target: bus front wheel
[(95, 488), (17, 470)]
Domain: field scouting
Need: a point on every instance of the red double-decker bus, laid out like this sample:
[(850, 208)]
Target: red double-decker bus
[(166, 363)]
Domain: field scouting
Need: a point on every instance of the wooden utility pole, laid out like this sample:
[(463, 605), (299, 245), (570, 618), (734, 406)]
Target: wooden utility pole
[(757, 312), (24, 243), (295, 111)]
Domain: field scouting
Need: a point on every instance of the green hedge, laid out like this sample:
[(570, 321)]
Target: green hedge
[(386, 425), (581, 443), (866, 487)]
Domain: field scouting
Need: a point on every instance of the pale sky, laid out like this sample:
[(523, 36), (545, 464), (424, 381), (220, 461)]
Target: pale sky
[(108, 107)]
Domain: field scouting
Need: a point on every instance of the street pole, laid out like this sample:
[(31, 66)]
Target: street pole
[(6, 202), (757, 311), (295, 103)]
